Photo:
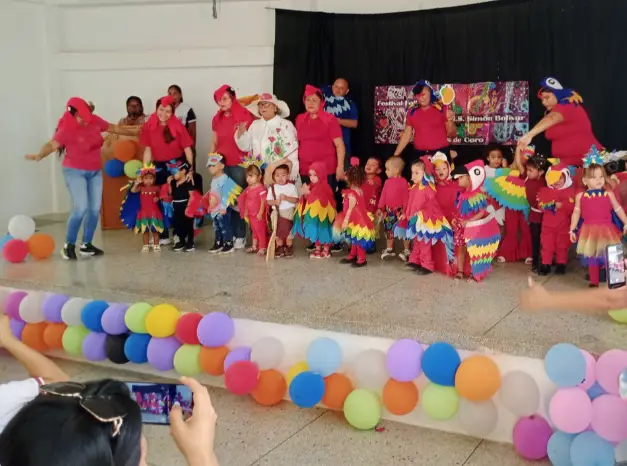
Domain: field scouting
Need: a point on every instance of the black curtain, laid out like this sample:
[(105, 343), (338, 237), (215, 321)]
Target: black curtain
[(580, 42)]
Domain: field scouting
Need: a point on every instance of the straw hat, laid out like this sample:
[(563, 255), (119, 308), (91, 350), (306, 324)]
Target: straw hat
[(284, 110)]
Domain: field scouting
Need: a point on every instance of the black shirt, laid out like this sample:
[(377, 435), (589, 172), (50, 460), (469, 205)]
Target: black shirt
[(181, 192)]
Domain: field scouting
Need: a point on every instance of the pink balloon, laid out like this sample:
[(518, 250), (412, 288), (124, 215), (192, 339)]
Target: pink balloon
[(570, 410), (609, 413), (531, 437), (591, 372), (609, 366)]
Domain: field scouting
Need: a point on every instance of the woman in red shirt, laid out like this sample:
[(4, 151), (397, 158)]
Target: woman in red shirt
[(229, 117), (79, 132), (428, 123), (566, 124)]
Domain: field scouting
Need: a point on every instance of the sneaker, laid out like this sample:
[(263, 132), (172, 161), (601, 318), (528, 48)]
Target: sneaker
[(68, 252), (165, 241), (500, 259), (217, 247), (279, 252), (311, 247), (423, 271), (348, 260), (227, 248), (156, 248), (88, 249), (145, 248), (560, 269), (544, 270), (359, 264), (529, 261), (178, 247), (404, 256), (387, 253), (190, 248), (411, 265), (289, 252), (240, 243), (315, 254), (338, 247), (325, 254)]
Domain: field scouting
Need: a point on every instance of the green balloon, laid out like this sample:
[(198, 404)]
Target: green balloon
[(131, 168), (135, 317), (362, 409), (187, 360), (440, 403), (73, 339)]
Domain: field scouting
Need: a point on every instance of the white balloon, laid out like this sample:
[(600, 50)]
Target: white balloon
[(21, 227), (30, 307), (268, 353), (520, 394), (369, 370), (478, 419), (71, 311)]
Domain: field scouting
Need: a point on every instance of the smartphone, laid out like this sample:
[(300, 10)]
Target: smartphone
[(622, 384), (615, 255), (156, 400)]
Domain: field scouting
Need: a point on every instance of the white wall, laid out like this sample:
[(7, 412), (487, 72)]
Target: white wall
[(25, 187)]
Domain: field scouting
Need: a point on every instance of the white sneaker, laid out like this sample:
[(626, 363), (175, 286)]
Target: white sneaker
[(501, 259), (240, 243), (404, 256), (387, 253), (165, 241)]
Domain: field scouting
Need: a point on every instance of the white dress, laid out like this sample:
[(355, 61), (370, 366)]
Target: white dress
[(271, 140)]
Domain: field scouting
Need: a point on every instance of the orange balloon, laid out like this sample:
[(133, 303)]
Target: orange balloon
[(33, 336), (41, 245), (124, 150), (53, 335), (271, 388), (478, 378), (212, 359), (400, 397), (336, 388)]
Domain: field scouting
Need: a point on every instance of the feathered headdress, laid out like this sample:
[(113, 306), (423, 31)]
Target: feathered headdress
[(147, 169), (594, 157), (564, 96), (250, 159), (435, 96), (214, 158)]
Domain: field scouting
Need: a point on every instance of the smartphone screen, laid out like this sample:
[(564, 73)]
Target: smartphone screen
[(615, 266), (156, 400)]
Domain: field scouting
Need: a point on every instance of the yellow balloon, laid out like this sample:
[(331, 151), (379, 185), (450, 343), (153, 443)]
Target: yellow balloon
[(619, 315), (161, 320), (294, 371)]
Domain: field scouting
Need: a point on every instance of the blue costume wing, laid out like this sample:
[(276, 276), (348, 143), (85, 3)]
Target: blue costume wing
[(129, 209)]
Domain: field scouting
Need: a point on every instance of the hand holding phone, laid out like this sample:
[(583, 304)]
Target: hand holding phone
[(615, 260), (157, 400)]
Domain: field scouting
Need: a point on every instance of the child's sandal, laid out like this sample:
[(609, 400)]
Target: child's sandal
[(145, 248), (459, 276), (262, 252), (157, 248), (252, 250)]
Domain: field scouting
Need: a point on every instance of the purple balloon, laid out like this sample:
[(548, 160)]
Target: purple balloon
[(52, 306), (531, 437), (17, 326), (404, 360), (238, 354), (215, 329), (94, 346), (113, 319), (12, 304), (161, 353)]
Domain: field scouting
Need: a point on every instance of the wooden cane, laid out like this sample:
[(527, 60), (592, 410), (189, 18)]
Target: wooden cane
[(274, 219)]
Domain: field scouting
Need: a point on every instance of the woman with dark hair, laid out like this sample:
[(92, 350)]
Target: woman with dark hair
[(135, 112), (79, 132), (183, 111), (427, 123), (231, 117)]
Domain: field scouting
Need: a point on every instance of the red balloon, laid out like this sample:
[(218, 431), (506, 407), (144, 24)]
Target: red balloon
[(242, 377), (187, 328), (15, 250)]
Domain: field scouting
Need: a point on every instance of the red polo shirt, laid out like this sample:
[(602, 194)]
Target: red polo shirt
[(429, 128), (225, 127), (82, 143), (315, 142), (572, 138), (161, 150)]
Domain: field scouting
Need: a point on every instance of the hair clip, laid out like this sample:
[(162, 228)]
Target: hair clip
[(354, 161)]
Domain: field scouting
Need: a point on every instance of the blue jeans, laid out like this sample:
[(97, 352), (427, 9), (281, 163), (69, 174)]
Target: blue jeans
[(222, 225), (238, 225), (85, 188)]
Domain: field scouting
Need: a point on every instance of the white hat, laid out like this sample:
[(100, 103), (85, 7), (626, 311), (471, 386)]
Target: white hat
[(284, 110)]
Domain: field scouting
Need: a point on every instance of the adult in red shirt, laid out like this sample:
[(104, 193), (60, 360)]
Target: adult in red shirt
[(79, 133), (428, 123), (230, 116), (566, 124)]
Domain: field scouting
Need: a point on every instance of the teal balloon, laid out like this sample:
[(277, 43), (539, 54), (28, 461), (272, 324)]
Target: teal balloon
[(324, 356), (588, 449), (362, 409), (565, 365), (558, 448)]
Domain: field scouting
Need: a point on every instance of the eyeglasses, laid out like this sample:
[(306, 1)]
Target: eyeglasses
[(102, 408)]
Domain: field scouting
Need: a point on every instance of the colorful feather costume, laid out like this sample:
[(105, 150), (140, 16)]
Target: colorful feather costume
[(508, 189), (360, 229), (315, 212), (140, 210), (599, 227)]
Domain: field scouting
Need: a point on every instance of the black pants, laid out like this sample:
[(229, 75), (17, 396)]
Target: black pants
[(536, 230), (183, 225)]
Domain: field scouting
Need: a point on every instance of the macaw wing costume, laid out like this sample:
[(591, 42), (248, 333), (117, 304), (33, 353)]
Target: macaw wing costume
[(230, 191), (508, 190), (319, 214), (546, 200), (130, 208), (360, 229), (297, 228), (470, 204), (482, 239), (431, 227), (167, 210)]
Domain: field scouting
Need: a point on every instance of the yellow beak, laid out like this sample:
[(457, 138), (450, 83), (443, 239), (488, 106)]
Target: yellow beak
[(553, 177)]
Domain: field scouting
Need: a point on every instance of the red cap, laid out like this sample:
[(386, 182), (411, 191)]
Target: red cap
[(82, 108)]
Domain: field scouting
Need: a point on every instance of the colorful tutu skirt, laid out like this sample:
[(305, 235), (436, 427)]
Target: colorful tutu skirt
[(430, 230), (482, 239), (593, 240), (314, 222), (149, 223), (361, 234)]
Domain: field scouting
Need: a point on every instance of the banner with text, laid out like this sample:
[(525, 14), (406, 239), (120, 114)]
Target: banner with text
[(484, 112)]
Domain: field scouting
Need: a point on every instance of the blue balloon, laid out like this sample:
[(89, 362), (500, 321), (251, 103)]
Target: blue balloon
[(307, 389), (114, 168), (588, 449), (440, 362), (91, 315), (136, 348), (596, 391), (559, 448), (324, 356), (4, 240), (565, 365)]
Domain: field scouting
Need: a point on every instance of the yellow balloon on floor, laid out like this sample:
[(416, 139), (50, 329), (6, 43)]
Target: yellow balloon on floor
[(619, 315), (294, 371), (161, 320)]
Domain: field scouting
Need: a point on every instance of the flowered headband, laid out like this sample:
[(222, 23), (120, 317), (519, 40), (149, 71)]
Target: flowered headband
[(147, 169), (250, 159), (214, 158)]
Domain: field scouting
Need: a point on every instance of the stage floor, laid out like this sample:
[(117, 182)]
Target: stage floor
[(383, 299)]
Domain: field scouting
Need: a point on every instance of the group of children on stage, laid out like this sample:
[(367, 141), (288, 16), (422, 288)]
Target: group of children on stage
[(454, 220)]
